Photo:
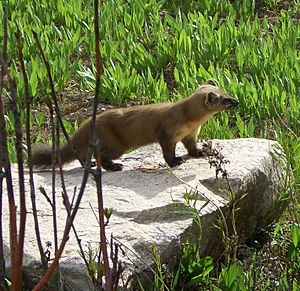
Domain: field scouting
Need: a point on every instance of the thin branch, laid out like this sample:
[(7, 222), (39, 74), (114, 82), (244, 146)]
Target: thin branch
[(103, 243), (65, 237), (204, 196), (117, 267), (2, 261), (20, 161), (68, 207), (97, 172), (4, 51), (87, 169), (54, 98), (44, 193), (2, 174), (69, 222), (16, 275), (141, 260), (53, 204), (55, 148), (28, 143)]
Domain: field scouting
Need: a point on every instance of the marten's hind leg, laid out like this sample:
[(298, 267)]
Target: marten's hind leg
[(104, 159), (111, 149), (108, 164)]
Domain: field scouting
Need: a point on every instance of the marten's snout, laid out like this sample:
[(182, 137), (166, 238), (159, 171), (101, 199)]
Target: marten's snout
[(230, 102)]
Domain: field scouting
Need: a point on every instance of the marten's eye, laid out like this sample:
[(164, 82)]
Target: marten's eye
[(212, 97), (212, 100)]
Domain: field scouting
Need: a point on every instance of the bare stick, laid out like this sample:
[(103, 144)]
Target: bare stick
[(117, 267), (28, 143), (16, 275), (68, 207), (103, 244), (2, 261), (20, 161), (65, 238), (55, 148), (70, 218), (141, 260), (56, 107), (2, 174), (44, 193), (87, 169), (97, 172)]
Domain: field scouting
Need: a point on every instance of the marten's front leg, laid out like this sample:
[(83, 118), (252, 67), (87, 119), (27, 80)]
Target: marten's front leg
[(190, 142), (168, 149)]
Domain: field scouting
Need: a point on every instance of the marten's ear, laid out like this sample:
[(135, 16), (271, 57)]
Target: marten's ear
[(211, 82), (212, 100)]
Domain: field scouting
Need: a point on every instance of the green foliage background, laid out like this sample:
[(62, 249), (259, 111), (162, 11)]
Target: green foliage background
[(160, 50)]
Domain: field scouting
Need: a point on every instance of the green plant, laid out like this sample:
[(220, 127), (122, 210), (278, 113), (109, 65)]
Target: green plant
[(294, 250), (193, 270), (159, 276), (39, 120), (232, 278), (158, 50), (95, 269)]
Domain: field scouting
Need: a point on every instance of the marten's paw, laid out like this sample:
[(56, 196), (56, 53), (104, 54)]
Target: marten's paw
[(196, 153), (176, 161), (115, 167), (110, 166)]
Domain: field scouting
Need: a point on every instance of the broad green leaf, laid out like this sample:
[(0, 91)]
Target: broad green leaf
[(295, 232), (176, 75), (33, 81)]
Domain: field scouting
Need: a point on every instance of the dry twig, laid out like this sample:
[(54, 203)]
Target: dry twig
[(5, 164), (28, 143)]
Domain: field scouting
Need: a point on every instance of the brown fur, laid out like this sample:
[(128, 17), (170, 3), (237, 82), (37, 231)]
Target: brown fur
[(167, 123)]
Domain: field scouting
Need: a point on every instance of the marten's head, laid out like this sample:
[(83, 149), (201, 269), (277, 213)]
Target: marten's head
[(215, 99)]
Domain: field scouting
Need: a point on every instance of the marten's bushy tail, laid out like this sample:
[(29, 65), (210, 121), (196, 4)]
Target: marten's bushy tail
[(42, 155)]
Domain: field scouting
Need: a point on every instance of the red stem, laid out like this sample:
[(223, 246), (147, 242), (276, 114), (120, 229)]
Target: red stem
[(97, 175)]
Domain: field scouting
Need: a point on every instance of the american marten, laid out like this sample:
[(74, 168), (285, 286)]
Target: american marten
[(125, 128)]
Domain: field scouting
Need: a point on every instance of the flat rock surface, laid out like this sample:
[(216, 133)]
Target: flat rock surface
[(147, 199)]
